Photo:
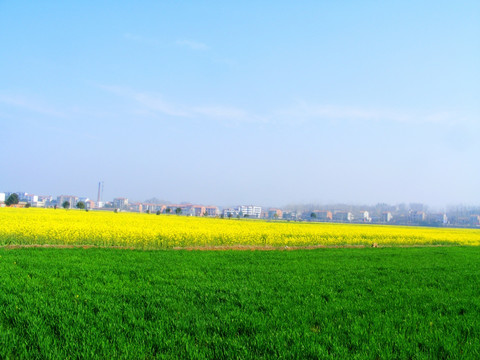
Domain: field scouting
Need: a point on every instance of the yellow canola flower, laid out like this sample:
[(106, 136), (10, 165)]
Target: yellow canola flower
[(102, 228)]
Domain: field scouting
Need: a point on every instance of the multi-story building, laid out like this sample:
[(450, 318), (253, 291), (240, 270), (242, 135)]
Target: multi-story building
[(30, 198), (21, 195), (387, 216), (275, 214), (250, 211), (343, 216), (243, 211), (416, 216), (437, 219), (323, 215), (198, 210), (2, 197), (362, 216), (137, 207), (474, 220), (231, 212), (120, 203), (212, 211), (72, 200)]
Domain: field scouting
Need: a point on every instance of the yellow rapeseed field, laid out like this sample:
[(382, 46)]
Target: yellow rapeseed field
[(75, 227)]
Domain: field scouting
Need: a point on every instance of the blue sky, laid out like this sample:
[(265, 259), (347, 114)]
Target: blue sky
[(256, 102)]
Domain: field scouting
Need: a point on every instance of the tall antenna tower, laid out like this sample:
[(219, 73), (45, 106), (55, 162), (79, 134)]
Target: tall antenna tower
[(100, 191)]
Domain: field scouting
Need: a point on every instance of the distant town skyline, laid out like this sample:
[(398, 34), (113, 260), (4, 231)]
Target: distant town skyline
[(414, 214), (268, 103)]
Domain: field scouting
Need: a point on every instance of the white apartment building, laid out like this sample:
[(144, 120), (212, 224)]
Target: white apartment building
[(2, 197), (244, 211)]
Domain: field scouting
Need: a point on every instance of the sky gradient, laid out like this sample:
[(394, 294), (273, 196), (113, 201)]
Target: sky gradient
[(264, 103)]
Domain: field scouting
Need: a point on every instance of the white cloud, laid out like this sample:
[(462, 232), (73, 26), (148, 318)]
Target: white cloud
[(30, 104), (221, 112), (154, 103), (194, 45), (305, 111), (150, 104)]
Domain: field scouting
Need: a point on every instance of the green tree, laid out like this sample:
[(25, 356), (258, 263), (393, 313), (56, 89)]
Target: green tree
[(66, 204), (12, 200), (80, 205), (313, 215), (27, 205), (158, 212), (178, 211), (168, 210)]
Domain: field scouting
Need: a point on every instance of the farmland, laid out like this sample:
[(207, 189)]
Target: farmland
[(324, 303), (142, 231), (100, 288)]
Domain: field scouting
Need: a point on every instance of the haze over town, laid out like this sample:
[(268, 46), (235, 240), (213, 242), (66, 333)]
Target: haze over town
[(272, 104)]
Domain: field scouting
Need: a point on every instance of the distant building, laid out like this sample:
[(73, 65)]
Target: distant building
[(291, 215), (212, 211), (362, 216), (387, 216), (243, 211), (151, 207), (275, 214), (70, 198), (89, 204), (120, 203), (30, 198), (135, 207), (437, 219), (250, 211), (343, 216), (198, 210), (21, 195), (2, 197), (475, 220), (323, 215), (416, 217)]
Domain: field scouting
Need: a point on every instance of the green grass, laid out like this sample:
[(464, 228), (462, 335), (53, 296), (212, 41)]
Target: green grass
[(328, 303)]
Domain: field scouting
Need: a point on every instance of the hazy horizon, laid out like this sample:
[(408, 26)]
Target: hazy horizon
[(252, 103)]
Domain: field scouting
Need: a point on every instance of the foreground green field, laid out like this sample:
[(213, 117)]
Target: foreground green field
[(48, 226), (326, 303)]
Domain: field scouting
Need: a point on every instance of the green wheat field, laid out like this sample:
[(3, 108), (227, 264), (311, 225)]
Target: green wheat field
[(420, 303)]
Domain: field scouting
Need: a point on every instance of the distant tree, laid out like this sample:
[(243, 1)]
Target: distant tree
[(205, 213), (27, 205), (178, 211), (148, 211), (275, 216), (80, 205), (66, 204), (158, 212), (12, 200), (230, 215), (55, 207), (313, 215), (168, 210)]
